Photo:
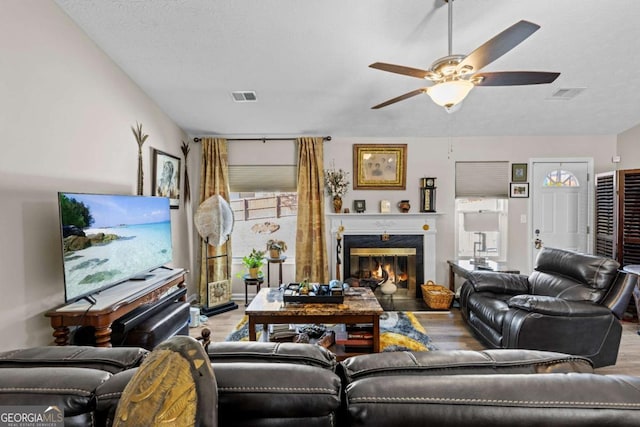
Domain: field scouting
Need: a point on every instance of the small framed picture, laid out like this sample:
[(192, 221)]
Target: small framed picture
[(519, 189), (519, 172), (359, 206), (385, 206)]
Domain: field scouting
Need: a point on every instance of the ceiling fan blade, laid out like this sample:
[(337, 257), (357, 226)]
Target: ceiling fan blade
[(399, 69), (498, 46), (401, 98), (515, 78)]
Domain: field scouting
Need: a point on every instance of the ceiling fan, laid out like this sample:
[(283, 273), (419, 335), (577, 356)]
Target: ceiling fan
[(455, 75)]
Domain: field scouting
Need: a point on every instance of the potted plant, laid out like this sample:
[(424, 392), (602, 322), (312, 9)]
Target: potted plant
[(254, 262), (304, 287), (276, 247)]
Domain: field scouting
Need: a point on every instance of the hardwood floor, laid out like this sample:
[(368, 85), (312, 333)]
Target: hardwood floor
[(449, 332)]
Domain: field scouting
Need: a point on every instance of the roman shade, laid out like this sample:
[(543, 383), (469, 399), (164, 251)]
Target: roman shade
[(482, 179)]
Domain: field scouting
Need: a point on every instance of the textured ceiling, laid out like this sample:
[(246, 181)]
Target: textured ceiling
[(307, 60)]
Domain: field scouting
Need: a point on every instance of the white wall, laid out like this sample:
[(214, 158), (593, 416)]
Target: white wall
[(66, 112), (629, 148), (436, 157)]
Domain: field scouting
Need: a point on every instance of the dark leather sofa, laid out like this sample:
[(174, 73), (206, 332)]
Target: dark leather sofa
[(571, 303), (271, 384)]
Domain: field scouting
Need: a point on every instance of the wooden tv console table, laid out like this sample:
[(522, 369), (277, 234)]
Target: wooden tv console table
[(113, 303)]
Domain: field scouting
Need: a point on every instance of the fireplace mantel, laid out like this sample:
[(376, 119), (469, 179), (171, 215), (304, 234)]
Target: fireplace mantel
[(392, 223)]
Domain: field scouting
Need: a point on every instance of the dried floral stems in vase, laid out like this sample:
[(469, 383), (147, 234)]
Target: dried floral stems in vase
[(187, 190), (140, 139), (337, 184)]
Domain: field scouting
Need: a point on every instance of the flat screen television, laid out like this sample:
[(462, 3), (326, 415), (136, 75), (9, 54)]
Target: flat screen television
[(108, 239)]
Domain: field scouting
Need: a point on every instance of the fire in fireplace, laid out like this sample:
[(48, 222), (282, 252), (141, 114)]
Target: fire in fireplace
[(372, 261), (375, 266)]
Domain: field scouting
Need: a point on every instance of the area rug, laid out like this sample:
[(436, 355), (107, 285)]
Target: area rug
[(399, 330)]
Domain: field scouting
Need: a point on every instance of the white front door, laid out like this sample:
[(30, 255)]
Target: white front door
[(561, 196)]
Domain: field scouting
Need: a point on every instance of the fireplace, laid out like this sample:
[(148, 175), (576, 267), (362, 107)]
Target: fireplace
[(374, 247), (372, 260)]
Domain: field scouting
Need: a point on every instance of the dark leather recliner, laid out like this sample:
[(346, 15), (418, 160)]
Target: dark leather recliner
[(570, 303)]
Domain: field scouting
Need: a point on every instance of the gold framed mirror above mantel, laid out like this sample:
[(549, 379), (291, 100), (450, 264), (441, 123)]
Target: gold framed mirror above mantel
[(379, 166)]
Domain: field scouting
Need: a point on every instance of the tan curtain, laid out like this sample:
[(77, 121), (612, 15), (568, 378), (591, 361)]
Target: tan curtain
[(311, 245), (213, 180)]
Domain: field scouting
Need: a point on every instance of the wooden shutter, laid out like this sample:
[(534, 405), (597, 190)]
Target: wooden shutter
[(605, 220), (629, 217)]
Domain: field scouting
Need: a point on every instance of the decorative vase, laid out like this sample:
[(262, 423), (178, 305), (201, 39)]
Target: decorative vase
[(140, 173), (253, 272), (388, 288), (337, 204), (404, 206)]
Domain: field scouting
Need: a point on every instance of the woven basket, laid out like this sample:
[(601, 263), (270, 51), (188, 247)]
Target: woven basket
[(436, 296)]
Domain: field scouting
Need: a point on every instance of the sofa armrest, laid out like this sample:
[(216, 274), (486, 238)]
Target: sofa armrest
[(501, 283), (70, 389), (556, 306), (617, 299)]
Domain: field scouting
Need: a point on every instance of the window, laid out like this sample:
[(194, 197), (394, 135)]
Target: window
[(263, 195), (482, 209), (261, 216), (481, 228), (560, 178)]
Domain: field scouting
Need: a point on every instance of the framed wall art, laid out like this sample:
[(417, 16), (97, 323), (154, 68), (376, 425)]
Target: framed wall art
[(519, 189), (166, 177), (519, 172), (359, 206), (379, 166)]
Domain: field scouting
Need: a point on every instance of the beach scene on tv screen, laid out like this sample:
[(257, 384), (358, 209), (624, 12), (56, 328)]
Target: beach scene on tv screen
[(108, 239)]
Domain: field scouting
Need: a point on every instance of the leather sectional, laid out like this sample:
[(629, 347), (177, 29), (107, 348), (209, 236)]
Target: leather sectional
[(271, 384)]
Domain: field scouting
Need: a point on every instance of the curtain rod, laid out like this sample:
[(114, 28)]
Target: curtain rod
[(325, 138)]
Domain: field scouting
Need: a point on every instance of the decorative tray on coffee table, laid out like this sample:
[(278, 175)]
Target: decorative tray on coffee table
[(315, 294)]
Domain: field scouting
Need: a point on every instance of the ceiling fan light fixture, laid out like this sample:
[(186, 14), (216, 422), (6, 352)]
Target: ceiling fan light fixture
[(450, 93)]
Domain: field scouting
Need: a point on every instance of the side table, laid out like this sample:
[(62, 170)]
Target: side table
[(251, 281), (280, 260), (462, 268), (635, 269)]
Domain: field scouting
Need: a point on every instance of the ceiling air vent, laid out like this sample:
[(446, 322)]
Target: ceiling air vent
[(565, 94), (244, 96)]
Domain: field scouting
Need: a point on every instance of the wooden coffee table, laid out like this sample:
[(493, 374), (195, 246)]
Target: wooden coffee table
[(360, 306)]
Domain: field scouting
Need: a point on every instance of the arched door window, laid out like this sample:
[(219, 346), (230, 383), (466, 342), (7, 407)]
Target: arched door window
[(560, 178)]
